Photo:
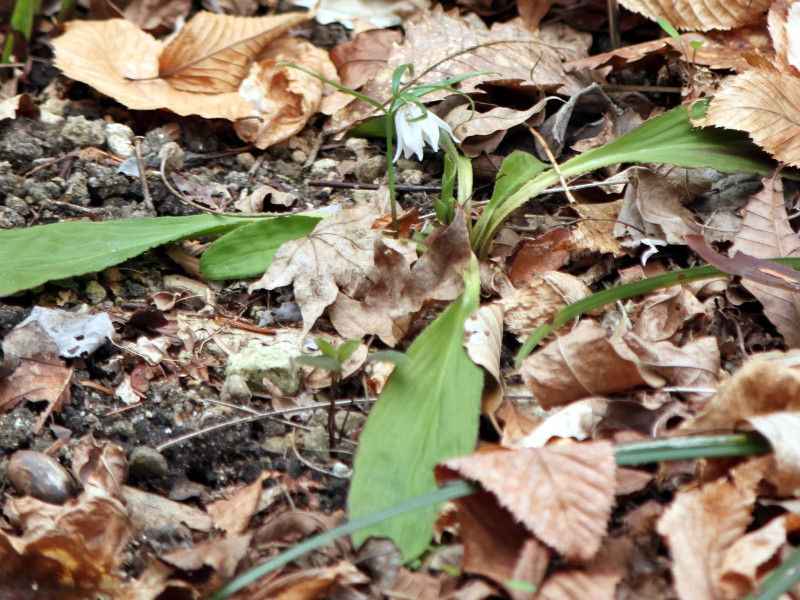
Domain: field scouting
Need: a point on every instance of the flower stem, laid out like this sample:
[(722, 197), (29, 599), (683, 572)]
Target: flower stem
[(390, 172)]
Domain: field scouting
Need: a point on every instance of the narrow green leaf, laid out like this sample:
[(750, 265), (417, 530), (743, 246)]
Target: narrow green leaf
[(325, 347), (390, 356), (31, 257), (427, 413), (668, 27), (320, 361), (249, 250), (23, 16), (346, 350)]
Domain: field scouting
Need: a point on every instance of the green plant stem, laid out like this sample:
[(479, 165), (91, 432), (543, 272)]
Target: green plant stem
[(747, 444), (390, 172)]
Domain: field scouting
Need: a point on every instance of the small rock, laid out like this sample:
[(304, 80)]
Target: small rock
[(171, 154), (278, 445), (404, 164), (353, 424), (10, 219), (356, 145), (147, 464), (255, 363), (412, 176), (323, 166), (371, 169), (235, 390), (316, 440), (299, 157), (246, 160), (77, 191), (50, 120), (95, 292), (119, 139), (363, 197), (17, 204), (79, 133), (41, 476)]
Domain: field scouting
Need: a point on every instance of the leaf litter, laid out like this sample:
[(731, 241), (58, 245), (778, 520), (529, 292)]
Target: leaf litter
[(191, 466)]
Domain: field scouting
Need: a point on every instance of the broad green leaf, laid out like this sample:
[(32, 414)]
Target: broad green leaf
[(249, 250), (325, 347), (427, 413), (320, 361), (346, 350), (668, 138), (31, 257)]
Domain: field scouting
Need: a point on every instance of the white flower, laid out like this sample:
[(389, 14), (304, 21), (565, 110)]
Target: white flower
[(414, 132)]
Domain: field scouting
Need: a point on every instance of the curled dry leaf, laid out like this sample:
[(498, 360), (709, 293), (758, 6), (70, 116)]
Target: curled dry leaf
[(765, 233), (208, 69), (700, 526), (744, 562), (765, 103), (483, 341), (700, 15), (563, 494)]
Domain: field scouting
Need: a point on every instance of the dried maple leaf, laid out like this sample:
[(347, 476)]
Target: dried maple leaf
[(765, 233), (337, 255), (563, 494)]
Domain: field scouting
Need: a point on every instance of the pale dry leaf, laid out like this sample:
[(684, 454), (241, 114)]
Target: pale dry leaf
[(765, 233), (441, 45), (665, 312), (758, 388), (151, 14), (578, 365), (540, 298), (100, 466), (532, 11), (483, 340), (212, 53), (19, 105), (700, 526), (222, 555), (232, 514), (700, 15), (595, 233), (782, 430), (563, 494), (375, 13), (311, 583), (148, 510), (337, 255), (763, 102), (577, 420), (37, 379), (660, 205), (597, 580), (744, 561)]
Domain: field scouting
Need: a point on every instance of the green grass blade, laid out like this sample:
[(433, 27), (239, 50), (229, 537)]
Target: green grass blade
[(781, 580), (31, 257), (249, 250), (621, 292), (23, 16), (427, 413), (637, 453)]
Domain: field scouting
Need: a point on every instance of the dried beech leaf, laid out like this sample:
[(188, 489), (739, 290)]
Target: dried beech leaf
[(741, 568), (212, 53), (700, 526), (577, 365), (701, 15), (359, 59), (782, 430), (763, 102), (443, 45), (765, 233), (565, 496), (483, 340)]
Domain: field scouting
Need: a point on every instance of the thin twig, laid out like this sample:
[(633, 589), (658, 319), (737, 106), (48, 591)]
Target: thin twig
[(552, 158), (148, 200)]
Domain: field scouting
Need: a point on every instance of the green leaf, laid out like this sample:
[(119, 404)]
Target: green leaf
[(23, 16), (696, 45), (320, 361), (390, 356), (249, 250), (668, 138), (31, 257), (427, 413), (325, 347), (346, 350), (668, 27)]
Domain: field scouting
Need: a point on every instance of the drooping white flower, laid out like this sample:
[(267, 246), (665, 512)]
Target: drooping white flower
[(414, 132)]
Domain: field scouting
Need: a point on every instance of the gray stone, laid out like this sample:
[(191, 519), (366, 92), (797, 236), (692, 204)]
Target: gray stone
[(147, 464), (171, 154), (235, 390), (299, 157), (95, 292), (277, 445), (246, 160), (17, 204), (353, 424), (17, 143), (323, 166), (119, 139), (50, 120), (9, 219), (77, 191), (316, 441), (356, 145), (78, 132), (254, 364), (371, 169), (412, 177)]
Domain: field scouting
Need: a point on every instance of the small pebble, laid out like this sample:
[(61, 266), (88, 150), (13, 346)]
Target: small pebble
[(119, 139), (323, 166), (171, 154), (371, 169), (235, 390), (413, 176), (246, 160), (299, 157), (78, 132), (147, 464), (41, 476)]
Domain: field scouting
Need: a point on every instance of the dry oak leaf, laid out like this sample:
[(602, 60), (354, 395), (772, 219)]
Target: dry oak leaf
[(700, 15), (763, 102), (765, 233), (700, 526), (563, 494), (442, 44), (337, 255), (201, 70)]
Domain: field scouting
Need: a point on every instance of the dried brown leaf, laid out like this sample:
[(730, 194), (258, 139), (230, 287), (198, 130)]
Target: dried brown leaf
[(151, 510), (597, 580), (665, 312), (337, 255), (442, 45), (765, 233), (483, 340), (580, 364), (700, 526), (359, 59), (222, 556), (565, 497), (37, 379), (745, 560), (762, 102), (232, 514), (100, 466), (700, 15)]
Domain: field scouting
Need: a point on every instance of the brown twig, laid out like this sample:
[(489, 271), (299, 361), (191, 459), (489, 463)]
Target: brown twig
[(348, 185), (148, 200)]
